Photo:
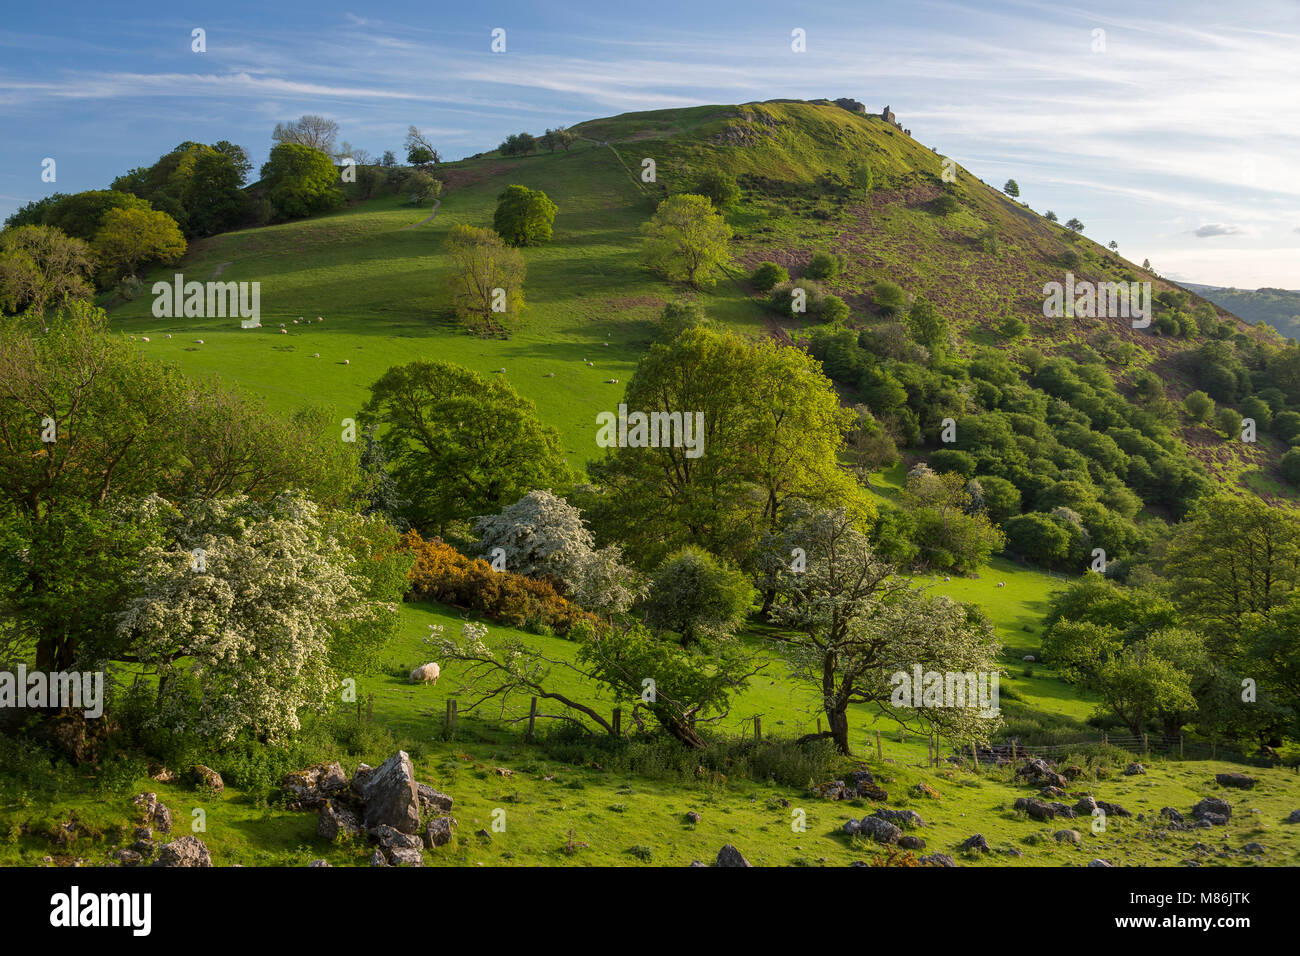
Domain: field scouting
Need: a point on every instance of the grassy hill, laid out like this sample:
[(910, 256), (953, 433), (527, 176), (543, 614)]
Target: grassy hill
[(1279, 308), (375, 274)]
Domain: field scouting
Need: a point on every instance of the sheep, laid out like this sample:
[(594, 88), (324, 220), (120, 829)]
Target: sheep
[(347, 361), (1002, 584), (284, 331), (425, 674), (315, 355), (198, 341), (144, 338), (1029, 657), (169, 335)]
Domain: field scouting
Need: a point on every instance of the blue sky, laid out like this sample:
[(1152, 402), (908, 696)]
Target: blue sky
[(1176, 135)]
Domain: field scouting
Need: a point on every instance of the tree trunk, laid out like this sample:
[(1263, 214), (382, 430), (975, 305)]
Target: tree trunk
[(839, 722)]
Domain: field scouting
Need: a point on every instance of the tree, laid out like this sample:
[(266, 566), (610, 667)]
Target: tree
[(78, 215), (1290, 467), (1113, 246), (524, 216), (41, 267), (927, 326), (310, 131), (421, 187), (461, 445), (719, 187), (1074, 225), (1228, 421), (890, 299), (1232, 558), (697, 598), (216, 201), (951, 531), (301, 181), (541, 535), (767, 275), (1012, 189), (243, 644), (854, 622), (686, 240), (1050, 216), (389, 160), (770, 429), (419, 149), (1198, 406), (125, 427), (1038, 538), (823, 265), (130, 238), (560, 137), (487, 282), (518, 144)]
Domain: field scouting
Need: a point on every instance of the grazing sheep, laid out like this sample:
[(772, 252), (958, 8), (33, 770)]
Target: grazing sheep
[(198, 341), (315, 355), (144, 338), (1002, 584), (1029, 657), (347, 361), (318, 318), (284, 331), (425, 674), (169, 335), (611, 381)]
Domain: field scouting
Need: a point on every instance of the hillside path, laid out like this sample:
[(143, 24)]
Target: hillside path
[(436, 204)]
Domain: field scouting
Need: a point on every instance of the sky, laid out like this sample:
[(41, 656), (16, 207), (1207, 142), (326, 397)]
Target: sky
[(1172, 128)]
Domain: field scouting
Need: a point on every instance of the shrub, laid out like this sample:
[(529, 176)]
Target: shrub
[(834, 309), (782, 297), (441, 573), (1290, 466), (1199, 406), (824, 265), (767, 275), (720, 188), (890, 299), (950, 459)]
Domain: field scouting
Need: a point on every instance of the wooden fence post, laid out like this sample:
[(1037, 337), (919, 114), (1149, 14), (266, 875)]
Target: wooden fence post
[(880, 754), (451, 717), (758, 729), (1180, 746), (532, 719), (975, 755), (1146, 744)]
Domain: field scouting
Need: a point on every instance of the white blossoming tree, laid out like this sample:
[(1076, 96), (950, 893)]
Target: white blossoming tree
[(543, 536), (238, 613)]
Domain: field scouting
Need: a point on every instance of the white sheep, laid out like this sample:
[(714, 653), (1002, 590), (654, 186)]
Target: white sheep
[(1002, 584), (425, 674)]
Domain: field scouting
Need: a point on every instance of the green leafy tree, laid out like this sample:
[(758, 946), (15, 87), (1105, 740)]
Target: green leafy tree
[(1012, 189), (823, 265), (487, 280), (300, 181), (890, 299), (524, 216), (767, 275), (719, 188), (1198, 406), (130, 238), (1232, 558), (40, 267), (461, 445), (698, 598), (686, 240), (927, 326)]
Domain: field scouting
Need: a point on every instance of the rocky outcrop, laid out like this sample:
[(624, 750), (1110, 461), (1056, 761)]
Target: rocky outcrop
[(730, 856), (187, 851), (312, 786), (391, 795)]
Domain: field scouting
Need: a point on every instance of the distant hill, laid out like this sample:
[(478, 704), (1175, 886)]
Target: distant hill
[(1279, 308)]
